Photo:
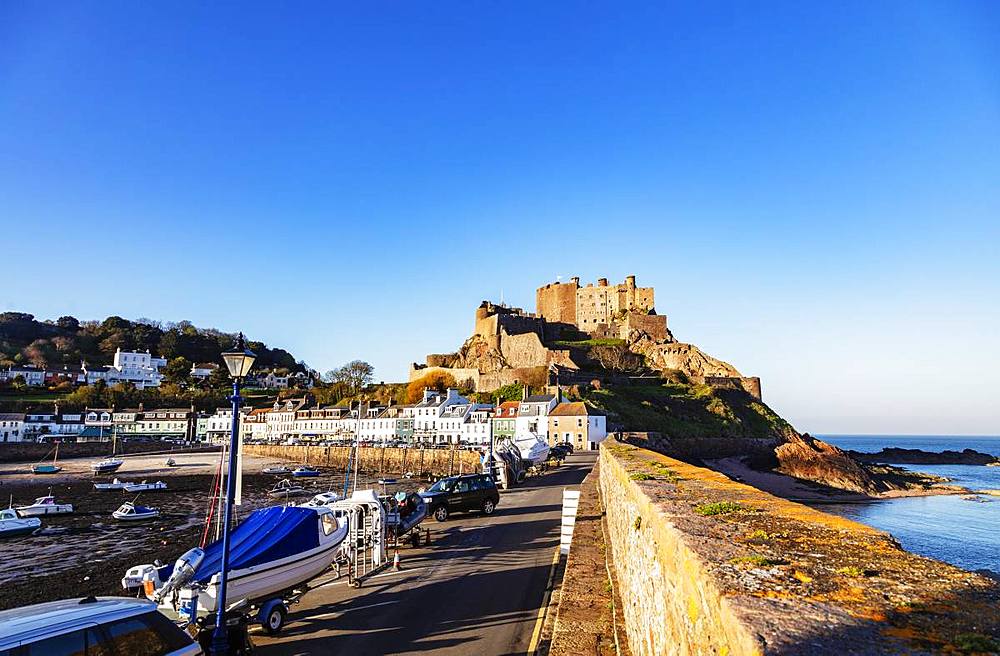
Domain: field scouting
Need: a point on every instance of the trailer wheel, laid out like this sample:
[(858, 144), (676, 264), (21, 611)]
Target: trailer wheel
[(356, 583), (275, 620)]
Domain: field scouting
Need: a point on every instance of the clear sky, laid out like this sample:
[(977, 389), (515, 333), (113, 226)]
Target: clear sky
[(813, 189)]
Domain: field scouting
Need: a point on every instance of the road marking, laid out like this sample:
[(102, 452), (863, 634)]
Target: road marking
[(348, 610), (537, 632), (344, 579)]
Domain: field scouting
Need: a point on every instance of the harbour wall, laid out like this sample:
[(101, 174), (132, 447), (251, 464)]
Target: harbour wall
[(33, 452), (438, 462), (706, 565)]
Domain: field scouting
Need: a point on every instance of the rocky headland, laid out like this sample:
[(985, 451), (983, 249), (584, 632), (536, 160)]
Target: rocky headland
[(900, 456)]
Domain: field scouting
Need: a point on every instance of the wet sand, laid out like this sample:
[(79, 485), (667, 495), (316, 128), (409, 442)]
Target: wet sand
[(88, 552)]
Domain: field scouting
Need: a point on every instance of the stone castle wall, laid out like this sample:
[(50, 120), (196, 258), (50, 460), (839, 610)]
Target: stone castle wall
[(654, 325), (749, 384), (556, 302)]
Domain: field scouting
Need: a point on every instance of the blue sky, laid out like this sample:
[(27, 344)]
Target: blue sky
[(814, 190)]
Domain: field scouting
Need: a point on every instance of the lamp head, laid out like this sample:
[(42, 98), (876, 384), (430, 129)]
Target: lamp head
[(240, 359)]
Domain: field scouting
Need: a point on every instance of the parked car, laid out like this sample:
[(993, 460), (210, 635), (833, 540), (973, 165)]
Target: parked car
[(93, 625), (460, 494), (566, 445)]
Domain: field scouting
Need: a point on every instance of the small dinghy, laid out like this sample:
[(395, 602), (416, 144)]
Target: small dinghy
[(404, 512), (113, 485), (277, 470), (305, 471), (39, 468), (286, 488), (11, 525), (322, 499), (158, 486), (129, 512), (45, 506), (106, 466)]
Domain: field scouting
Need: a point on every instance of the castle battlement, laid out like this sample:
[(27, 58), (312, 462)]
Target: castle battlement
[(601, 309)]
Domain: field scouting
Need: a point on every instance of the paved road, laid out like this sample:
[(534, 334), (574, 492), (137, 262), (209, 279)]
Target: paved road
[(476, 589)]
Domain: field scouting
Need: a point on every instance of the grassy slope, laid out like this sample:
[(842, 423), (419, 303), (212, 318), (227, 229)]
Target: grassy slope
[(679, 410)]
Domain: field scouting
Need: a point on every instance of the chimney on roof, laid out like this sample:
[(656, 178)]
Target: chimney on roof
[(630, 282), (524, 393), (602, 282)]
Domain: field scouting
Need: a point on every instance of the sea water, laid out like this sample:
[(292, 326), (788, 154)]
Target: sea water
[(949, 528)]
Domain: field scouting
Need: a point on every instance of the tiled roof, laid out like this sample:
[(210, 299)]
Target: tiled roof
[(540, 398), (575, 409)]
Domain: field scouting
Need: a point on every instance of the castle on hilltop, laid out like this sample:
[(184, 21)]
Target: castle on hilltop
[(602, 310), (509, 345)]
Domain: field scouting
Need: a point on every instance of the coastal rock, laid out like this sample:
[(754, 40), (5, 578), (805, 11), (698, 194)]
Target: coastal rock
[(805, 457), (895, 455)]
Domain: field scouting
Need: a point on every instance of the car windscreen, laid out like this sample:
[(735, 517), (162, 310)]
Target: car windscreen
[(444, 485)]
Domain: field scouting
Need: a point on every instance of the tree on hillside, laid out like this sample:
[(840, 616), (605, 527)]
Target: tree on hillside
[(617, 358), (177, 370), (435, 380), (353, 376), (68, 323)]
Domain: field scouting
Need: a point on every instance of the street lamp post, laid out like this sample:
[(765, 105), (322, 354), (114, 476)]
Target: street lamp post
[(238, 361)]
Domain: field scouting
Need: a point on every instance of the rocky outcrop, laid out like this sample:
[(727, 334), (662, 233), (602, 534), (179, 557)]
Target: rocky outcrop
[(805, 457), (898, 456), (678, 356)]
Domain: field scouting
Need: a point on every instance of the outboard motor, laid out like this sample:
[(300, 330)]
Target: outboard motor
[(184, 570)]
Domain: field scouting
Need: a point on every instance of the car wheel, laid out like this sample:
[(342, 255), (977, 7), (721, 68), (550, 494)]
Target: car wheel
[(441, 513), (489, 507), (275, 620)]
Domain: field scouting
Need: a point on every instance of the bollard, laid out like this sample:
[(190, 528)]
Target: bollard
[(395, 561)]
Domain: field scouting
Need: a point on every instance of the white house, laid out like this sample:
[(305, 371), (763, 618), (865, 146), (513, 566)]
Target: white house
[(532, 415), (427, 413), (281, 423), (477, 426), (33, 376), (52, 423), (140, 369), (11, 427), (203, 370)]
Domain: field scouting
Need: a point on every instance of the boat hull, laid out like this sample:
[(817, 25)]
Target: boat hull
[(15, 528), (133, 517), (54, 509), (46, 469), (270, 579), (300, 474), (106, 469)]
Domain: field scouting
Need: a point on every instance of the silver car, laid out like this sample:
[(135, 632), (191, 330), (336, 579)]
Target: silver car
[(104, 626)]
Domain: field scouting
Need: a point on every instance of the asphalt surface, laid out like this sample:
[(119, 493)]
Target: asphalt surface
[(476, 589)]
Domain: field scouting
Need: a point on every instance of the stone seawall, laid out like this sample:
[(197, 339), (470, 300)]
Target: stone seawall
[(439, 462), (32, 452), (706, 565)]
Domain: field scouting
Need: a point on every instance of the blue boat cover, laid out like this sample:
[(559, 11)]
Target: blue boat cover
[(267, 535)]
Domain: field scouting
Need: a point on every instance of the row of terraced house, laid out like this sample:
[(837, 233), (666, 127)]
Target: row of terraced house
[(440, 418)]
